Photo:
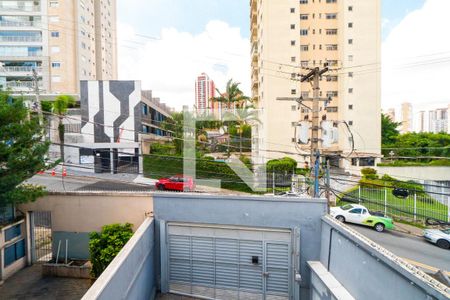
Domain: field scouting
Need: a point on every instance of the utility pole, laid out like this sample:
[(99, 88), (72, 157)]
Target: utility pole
[(314, 77)]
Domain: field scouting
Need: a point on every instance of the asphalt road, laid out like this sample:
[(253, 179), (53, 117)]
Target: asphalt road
[(415, 250)]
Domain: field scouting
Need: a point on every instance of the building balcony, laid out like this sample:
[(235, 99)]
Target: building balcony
[(18, 8), (19, 71), (20, 24), (21, 39), (21, 85)]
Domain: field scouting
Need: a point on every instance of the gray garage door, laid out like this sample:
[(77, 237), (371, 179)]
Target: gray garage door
[(229, 263)]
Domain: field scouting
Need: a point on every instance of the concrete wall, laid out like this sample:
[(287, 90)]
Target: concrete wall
[(247, 211), (75, 215), (131, 275), (368, 271), (421, 173)]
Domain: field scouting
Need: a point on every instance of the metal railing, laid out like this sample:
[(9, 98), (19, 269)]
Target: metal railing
[(22, 84), (20, 24), (417, 206), (21, 69), (20, 8), (20, 39)]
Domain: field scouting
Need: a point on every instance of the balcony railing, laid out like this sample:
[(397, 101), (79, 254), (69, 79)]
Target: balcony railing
[(21, 69), (20, 39), (20, 8), (21, 84), (20, 24)]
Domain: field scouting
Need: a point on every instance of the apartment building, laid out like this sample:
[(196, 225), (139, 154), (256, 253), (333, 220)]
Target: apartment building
[(64, 41), (438, 120), (205, 89), (289, 38), (407, 118)]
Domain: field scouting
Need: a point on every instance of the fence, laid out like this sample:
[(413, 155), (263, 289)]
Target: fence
[(418, 206)]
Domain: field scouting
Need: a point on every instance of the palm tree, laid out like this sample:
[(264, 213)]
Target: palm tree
[(60, 107), (243, 117), (232, 95)]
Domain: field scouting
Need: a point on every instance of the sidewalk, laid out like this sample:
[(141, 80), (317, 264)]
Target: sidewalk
[(408, 229)]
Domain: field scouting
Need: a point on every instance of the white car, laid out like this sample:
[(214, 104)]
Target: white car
[(439, 237), (358, 214)]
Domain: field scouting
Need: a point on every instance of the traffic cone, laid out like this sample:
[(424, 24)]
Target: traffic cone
[(53, 172), (64, 172)]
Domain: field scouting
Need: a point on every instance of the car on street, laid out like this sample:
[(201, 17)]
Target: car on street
[(359, 214), (439, 237), (179, 183)]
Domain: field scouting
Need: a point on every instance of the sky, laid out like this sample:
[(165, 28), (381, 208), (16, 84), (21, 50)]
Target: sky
[(167, 43)]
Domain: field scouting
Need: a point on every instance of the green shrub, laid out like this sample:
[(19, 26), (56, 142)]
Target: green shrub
[(104, 246), (285, 164), (368, 171), (162, 149), (371, 176), (388, 178)]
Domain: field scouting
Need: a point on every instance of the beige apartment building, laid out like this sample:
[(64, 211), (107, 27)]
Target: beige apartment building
[(63, 41), (407, 118), (290, 37)]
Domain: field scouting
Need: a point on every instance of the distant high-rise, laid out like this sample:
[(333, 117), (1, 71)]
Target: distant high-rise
[(63, 41), (391, 114), (422, 122), (204, 91), (438, 120), (407, 118)]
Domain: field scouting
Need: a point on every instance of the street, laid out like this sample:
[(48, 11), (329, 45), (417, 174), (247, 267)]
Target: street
[(415, 250)]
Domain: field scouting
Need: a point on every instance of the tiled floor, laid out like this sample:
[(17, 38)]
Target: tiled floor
[(29, 284)]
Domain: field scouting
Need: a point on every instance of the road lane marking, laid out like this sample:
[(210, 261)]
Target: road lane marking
[(424, 266)]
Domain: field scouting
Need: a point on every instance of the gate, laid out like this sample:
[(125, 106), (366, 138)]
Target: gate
[(228, 263), (41, 236)]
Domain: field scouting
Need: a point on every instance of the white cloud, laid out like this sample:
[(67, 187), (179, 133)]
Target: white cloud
[(169, 66), (416, 58)]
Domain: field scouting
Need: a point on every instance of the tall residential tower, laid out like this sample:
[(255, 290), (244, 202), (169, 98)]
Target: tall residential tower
[(64, 41), (205, 89), (290, 37)]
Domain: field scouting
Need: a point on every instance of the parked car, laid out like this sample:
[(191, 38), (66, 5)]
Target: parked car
[(440, 237), (178, 183), (359, 214)]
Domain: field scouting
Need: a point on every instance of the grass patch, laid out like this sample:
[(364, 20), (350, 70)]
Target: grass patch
[(433, 163)]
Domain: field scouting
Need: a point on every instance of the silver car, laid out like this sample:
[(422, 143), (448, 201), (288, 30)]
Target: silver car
[(440, 237)]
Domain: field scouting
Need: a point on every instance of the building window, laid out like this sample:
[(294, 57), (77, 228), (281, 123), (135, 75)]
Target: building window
[(350, 123), (331, 1), (350, 8), (303, 32), (350, 74), (53, 3), (294, 124), (331, 47), (293, 59), (350, 41), (294, 107), (292, 26), (55, 34), (331, 16), (332, 94), (332, 109), (303, 1), (292, 10), (304, 48), (293, 92), (331, 31), (304, 63), (56, 65), (303, 17), (305, 95), (350, 90), (350, 58), (350, 107), (367, 162), (292, 43), (350, 25), (332, 78)]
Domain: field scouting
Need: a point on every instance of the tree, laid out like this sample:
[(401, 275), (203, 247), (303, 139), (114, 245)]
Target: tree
[(22, 151), (60, 107), (243, 117), (104, 246), (389, 131), (232, 95)]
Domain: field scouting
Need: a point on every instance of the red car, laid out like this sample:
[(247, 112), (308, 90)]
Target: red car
[(178, 183)]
